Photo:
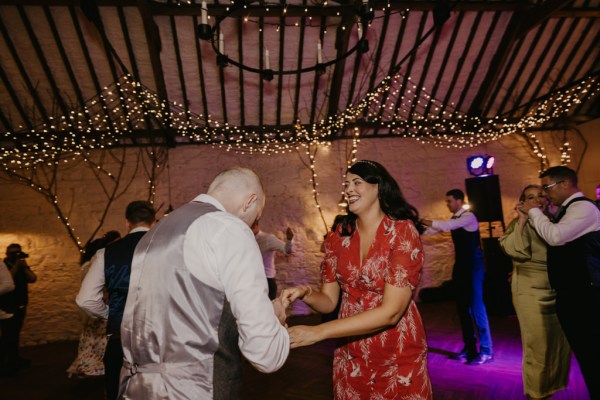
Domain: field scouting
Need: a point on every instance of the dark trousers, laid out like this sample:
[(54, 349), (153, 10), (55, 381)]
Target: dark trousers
[(579, 315), (9, 341), (272, 288), (468, 282), (113, 361)]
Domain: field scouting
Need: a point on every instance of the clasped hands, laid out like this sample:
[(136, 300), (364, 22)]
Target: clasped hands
[(300, 335)]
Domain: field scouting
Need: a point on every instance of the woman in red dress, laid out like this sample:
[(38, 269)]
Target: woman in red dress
[(374, 256)]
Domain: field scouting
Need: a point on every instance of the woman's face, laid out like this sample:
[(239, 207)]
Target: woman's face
[(536, 198), (361, 195)]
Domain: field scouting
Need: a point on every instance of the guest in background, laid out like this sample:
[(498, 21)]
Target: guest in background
[(111, 269), (269, 244), (546, 352), (92, 341), (15, 302), (573, 239), (6, 285), (374, 257), (467, 278)]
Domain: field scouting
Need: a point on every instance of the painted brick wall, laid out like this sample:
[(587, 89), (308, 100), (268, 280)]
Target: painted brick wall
[(424, 173)]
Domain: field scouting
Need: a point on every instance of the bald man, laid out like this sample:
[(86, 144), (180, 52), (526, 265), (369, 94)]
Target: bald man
[(198, 299)]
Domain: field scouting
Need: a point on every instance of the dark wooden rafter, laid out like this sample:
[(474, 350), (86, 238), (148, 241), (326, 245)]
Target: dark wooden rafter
[(15, 98), (132, 59), (200, 71), (88, 60), (342, 38), (519, 25), (24, 75), (317, 80), (186, 102), (447, 54), (280, 77), (554, 61), (261, 63), (298, 76), (63, 55), (534, 73), (461, 61), (240, 33), (411, 56), (7, 124), (154, 49), (378, 52), (524, 64), (475, 67), (425, 69), (392, 68), (502, 79), (43, 62)]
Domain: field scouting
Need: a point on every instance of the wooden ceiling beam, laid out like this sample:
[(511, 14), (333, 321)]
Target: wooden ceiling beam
[(154, 49), (520, 24)]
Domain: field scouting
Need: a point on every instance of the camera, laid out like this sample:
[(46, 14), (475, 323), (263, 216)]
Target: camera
[(21, 255)]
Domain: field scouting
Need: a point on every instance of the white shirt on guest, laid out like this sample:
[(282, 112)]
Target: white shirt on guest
[(91, 294), (7, 284), (220, 250), (461, 219), (581, 217), (268, 245)]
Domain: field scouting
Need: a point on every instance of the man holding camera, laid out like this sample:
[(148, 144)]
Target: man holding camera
[(15, 303)]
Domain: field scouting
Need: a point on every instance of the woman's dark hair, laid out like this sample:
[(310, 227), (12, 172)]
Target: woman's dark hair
[(391, 200)]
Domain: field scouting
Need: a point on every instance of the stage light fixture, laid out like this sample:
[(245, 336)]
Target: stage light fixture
[(481, 165)]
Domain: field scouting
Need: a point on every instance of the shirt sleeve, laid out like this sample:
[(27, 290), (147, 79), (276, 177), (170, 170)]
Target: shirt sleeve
[(90, 296), (273, 243), (7, 284), (329, 263), (406, 256), (263, 340), (466, 220), (581, 218), (516, 242)]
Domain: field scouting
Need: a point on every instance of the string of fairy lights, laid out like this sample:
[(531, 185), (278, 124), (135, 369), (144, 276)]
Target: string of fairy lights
[(120, 113)]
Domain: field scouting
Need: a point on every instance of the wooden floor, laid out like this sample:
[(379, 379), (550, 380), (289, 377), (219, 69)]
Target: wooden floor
[(307, 373)]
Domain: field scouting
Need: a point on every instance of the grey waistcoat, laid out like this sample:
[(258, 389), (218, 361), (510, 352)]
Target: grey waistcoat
[(179, 336)]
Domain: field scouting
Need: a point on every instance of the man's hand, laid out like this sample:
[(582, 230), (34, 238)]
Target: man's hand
[(279, 310), (289, 234)]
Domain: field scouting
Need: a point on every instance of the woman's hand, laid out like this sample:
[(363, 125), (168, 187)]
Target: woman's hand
[(303, 335), (289, 295)]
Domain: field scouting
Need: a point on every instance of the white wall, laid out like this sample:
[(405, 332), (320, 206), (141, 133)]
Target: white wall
[(424, 173)]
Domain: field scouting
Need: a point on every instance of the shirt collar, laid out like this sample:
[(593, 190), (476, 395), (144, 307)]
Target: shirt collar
[(573, 196), (139, 229), (459, 212), (205, 198)]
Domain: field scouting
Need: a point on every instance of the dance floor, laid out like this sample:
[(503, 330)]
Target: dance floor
[(307, 373)]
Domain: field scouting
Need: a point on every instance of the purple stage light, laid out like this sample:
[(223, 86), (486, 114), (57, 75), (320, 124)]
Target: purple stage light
[(489, 164)]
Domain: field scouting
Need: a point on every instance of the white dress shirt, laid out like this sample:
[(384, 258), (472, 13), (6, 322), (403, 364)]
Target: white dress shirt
[(581, 217), (268, 245), (91, 294), (221, 251), (6, 281), (461, 219)]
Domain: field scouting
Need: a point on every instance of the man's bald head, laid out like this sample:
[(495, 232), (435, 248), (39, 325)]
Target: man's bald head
[(241, 193)]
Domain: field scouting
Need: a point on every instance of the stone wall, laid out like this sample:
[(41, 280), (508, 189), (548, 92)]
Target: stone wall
[(424, 172)]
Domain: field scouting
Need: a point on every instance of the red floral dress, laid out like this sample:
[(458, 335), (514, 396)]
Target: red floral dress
[(391, 364)]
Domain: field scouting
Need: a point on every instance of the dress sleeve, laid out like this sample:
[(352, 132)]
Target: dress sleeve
[(329, 263), (516, 242), (406, 256)]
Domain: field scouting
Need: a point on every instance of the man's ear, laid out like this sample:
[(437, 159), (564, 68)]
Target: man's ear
[(250, 199)]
